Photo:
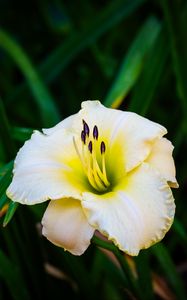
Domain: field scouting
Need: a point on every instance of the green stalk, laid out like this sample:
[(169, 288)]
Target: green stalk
[(123, 263)]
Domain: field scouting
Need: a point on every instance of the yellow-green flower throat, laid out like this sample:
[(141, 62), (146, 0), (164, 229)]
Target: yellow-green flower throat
[(89, 157)]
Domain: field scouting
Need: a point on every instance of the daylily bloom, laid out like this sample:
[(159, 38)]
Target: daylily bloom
[(103, 169)]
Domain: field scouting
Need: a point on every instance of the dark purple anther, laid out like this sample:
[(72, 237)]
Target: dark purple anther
[(90, 146), (83, 136), (103, 147), (95, 132), (86, 128)]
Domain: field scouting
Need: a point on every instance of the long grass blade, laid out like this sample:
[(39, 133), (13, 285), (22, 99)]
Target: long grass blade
[(4, 201), (133, 62), (110, 16), (145, 88), (44, 100), (13, 278), (132, 283), (5, 133), (142, 262), (168, 267), (78, 41), (10, 212), (176, 34), (21, 134), (5, 177)]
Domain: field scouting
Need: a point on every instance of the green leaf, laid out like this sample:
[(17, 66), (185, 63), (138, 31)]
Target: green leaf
[(180, 230), (103, 264), (76, 269), (108, 18), (44, 100), (10, 212), (5, 133), (5, 177), (25, 235), (162, 255), (55, 16), (13, 278), (145, 88), (3, 201), (174, 16), (111, 15), (21, 134), (132, 283), (144, 274), (179, 136), (133, 62)]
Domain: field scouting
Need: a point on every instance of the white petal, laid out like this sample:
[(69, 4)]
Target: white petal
[(135, 214), (65, 124), (47, 167), (161, 159), (128, 136), (65, 225)]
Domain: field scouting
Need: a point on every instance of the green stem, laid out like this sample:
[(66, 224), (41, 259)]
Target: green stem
[(123, 263)]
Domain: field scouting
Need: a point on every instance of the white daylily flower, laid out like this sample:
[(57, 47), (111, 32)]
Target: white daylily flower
[(103, 169)]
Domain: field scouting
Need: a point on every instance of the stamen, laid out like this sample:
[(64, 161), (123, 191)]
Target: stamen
[(83, 136), (100, 178), (95, 170), (90, 146), (102, 147), (95, 133), (107, 183), (86, 128), (91, 178)]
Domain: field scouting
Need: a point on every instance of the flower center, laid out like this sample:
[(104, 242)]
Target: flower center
[(93, 161)]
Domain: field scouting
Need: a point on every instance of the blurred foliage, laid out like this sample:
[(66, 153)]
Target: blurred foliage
[(130, 54)]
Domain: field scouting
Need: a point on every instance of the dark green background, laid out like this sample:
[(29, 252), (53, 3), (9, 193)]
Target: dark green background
[(53, 56)]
